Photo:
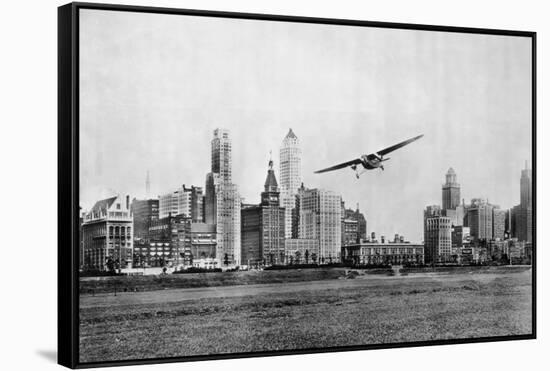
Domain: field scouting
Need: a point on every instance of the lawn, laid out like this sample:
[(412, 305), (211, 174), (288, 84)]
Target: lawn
[(372, 311), (99, 285)]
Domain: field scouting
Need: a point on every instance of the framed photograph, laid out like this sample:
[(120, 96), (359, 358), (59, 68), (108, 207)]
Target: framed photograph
[(239, 185)]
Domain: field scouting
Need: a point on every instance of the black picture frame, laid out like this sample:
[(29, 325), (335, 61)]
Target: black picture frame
[(68, 177)]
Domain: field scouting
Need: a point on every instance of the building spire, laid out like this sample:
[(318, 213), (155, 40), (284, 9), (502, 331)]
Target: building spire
[(290, 134), (270, 182), (147, 185)]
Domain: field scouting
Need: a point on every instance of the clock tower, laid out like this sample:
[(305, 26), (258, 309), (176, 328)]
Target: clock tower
[(270, 195), (263, 227)]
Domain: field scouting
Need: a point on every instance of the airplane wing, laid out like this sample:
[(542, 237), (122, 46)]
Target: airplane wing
[(385, 151), (340, 166)]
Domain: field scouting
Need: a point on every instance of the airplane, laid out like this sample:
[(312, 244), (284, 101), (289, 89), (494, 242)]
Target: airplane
[(371, 161)]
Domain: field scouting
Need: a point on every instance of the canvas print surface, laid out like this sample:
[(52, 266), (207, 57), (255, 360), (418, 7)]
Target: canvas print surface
[(252, 186)]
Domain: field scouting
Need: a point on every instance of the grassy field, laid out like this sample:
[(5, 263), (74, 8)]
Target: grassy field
[(108, 285), (365, 310), (99, 285)]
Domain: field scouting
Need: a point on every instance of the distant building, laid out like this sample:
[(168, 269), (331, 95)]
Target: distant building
[(350, 232), (222, 201), (200, 245), (144, 212), (450, 191), (164, 245), (321, 219), (263, 227), (460, 236), (383, 253), (80, 240), (302, 251), (290, 170), (437, 236), (183, 201), (499, 224), (526, 188), (450, 194), (522, 214), (479, 217), (456, 215), (356, 215), (107, 235)]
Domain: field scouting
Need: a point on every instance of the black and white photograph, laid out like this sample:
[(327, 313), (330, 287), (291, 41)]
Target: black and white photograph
[(263, 186)]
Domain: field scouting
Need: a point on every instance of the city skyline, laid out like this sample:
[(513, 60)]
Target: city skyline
[(345, 94), (370, 216)]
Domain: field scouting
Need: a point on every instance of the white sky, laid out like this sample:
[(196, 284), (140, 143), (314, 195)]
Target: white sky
[(153, 88)]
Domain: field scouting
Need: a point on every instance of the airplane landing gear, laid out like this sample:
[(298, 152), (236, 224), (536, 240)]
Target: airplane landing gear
[(382, 167), (357, 173)]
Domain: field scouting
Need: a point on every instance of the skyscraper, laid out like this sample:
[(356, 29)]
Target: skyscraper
[(321, 219), (223, 203), (263, 226), (187, 201), (499, 223), (479, 217), (450, 191), (437, 235), (290, 170), (522, 214), (221, 155), (526, 197)]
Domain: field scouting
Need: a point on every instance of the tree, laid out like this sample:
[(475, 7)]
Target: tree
[(226, 259), (110, 265), (298, 257), (307, 256), (314, 258)]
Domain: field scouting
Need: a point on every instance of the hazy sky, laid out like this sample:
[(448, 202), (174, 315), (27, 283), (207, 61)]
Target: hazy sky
[(154, 87)]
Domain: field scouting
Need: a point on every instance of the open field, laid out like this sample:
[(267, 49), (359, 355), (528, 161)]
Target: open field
[(99, 285), (108, 285), (369, 309)]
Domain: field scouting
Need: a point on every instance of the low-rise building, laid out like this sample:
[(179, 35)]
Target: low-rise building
[(107, 235), (200, 246), (395, 253), (302, 250)]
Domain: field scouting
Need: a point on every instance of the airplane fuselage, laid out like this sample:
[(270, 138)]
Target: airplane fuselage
[(372, 161)]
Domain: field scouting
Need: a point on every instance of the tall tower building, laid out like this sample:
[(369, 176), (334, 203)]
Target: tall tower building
[(526, 197), (263, 227), (450, 191), (222, 201), (522, 214), (221, 155), (290, 170)]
